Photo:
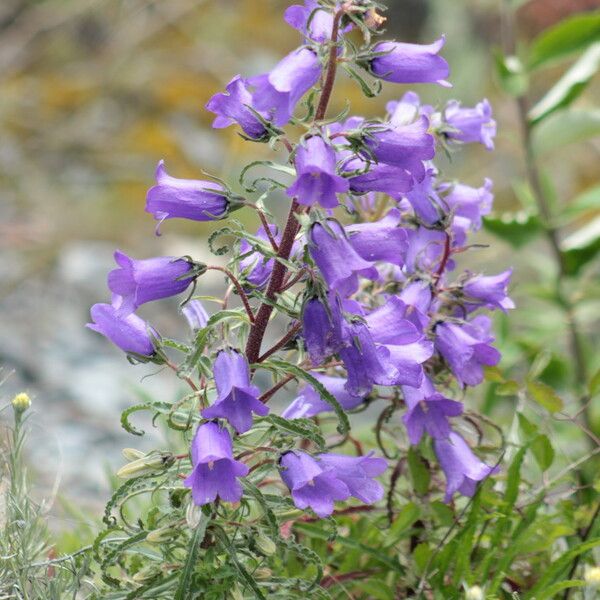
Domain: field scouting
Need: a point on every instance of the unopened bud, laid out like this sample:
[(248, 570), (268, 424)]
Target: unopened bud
[(155, 461), (164, 534), (474, 593), (132, 453), (21, 402), (262, 573), (193, 514), (265, 544), (236, 593), (592, 577), (146, 574)]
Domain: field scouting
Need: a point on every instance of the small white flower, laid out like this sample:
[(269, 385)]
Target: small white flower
[(474, 593)]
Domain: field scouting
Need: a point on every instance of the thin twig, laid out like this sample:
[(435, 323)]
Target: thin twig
[(238, 287), (282, 342)]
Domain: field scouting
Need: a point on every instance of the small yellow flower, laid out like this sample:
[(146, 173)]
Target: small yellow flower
[(21, 402)]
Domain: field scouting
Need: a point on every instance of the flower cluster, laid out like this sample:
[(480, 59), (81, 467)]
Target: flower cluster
[(364, 269)]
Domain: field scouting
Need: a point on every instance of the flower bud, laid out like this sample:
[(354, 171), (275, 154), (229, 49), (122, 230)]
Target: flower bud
[(265, 544), (592, 577), (146, 574), (155, 461), (132, 454), (193, 514), (236, 593), (164, 534), (21, 402), (262, 573), (474, 593)]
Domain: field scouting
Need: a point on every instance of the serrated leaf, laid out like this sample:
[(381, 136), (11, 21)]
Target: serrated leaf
[(566, 37), (185, 580), (543, 452), (565, 127), (569, 86), (545, 396), (291, 369), (298, 427)]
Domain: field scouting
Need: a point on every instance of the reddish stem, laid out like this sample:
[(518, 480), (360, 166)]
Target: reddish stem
[(445, 258), (187, 379), (239, 288), (270, 393), (261, 321), (282, 342)]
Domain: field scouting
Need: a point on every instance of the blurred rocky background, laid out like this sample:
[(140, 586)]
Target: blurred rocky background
[(92, 94)]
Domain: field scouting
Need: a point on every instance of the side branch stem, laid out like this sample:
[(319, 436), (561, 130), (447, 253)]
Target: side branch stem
[(239, 288)]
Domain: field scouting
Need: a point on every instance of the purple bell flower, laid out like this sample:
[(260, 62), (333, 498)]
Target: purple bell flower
[(466, 348), (358, 473), (490, 290), (321, 20), (337, 260), (410, 63), (233, 107), (425, 249), (136, 282), (173, 198), (215, 471), (407, 109), (257, 267), (382, 240), (322, 329), (379, 177), (405, 147), (128, 332), (316, 177), (237, 398), (195, 315), (463, 470), (424, 199), (309, 403), (469, 204), (277, 93), (428, 410), (312, 485), (471, 124)]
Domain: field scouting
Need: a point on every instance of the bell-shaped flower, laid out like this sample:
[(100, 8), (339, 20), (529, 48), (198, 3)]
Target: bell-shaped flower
[(195, 314), (311, 485), (463, 470), (277, 93), (236, 398), (126, 331), (255, 267), (309, 403), (471, 124), (235, 106), (490, 290), (427, 411), (312, 20), (466, 348), (339, 264), (469, 204), (136, 282), (197, 200), (410, 63), (316, 178), (406, 146), (322, 329), (382, 240), (407, 109), (425, 250), (424, 198), (358, 473), (366, 177), (417, 297), (215, 471)]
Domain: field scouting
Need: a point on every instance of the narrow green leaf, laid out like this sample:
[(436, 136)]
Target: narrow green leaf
[(551, 591), (527, 428), (291, 369), (518, 229), (545, 396), (191, 559), (582, 246), (511, 74), (543, 452), (510, 388), (566, 37), (569, 86), (403, 522), (586, 202), (565, 127), (419, 472)]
